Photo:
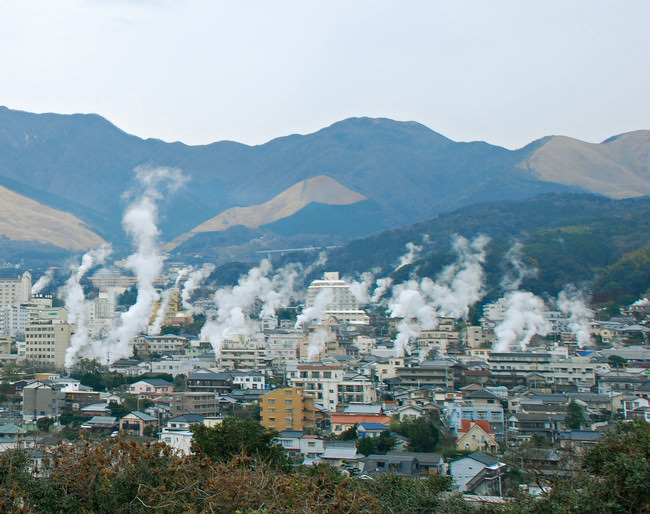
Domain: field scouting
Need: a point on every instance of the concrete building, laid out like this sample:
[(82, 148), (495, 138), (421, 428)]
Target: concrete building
[(343, 304), (242, 353), (47, 339), (318, 381), (15, 290), (287, 408), (41, 399)]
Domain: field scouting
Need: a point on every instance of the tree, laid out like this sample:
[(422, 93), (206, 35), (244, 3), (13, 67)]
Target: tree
[(349, 434), (422, 434), (614, 478), (44, 424), (367, 446), (235, 436), (575, 416)]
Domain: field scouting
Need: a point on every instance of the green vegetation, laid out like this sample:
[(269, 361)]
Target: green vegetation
[(614, 477), (422, 433), (235, 437)]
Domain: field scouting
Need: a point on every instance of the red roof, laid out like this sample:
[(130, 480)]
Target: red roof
[(466, 425)]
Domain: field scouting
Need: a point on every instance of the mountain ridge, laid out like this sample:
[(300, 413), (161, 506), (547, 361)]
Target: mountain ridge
[(82, 164)]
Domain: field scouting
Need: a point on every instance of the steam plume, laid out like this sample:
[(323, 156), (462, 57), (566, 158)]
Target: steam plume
[(572, 302), (76, 304), (194, 280), (517, 271), (140, 223), (523, 319), (42, 282)]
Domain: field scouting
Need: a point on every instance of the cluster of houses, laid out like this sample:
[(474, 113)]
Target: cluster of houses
[(486, 403)]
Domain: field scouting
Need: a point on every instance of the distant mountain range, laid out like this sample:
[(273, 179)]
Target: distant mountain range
[(62, 178)]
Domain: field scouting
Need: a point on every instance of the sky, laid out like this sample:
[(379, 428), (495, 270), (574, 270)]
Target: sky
[(505, 72)]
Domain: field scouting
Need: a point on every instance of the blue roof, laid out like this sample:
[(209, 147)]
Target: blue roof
[(372, 426)]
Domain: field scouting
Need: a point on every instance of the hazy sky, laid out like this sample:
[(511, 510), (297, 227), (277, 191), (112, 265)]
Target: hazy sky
[(506, 72)]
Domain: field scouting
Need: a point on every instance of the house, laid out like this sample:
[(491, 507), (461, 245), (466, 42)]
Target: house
[(302, 447), (101, 424), (370, 429), (341, 422), (343, 455), (149, 388), (476, 435), (136, 422), (478, 473), (398, 464), (177, 432), (100, 409), (249, 380)]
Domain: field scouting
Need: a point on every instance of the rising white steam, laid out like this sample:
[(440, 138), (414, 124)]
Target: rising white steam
[(140, 223), (383, 283), (572, 302), (317, 343), (409, 304), (412, 253), (194, 280), (460, 285), (42, 282), (361, 289), (523, 318), (234, 305), (316, 311), (517, 270), (76, 304)]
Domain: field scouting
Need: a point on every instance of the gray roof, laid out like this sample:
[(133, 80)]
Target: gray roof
[(487, 460)]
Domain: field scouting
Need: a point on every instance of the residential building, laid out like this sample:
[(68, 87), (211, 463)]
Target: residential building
[(16, 289), (341, 304), (476, 435), (478, 473), (164, 344), (321, 382), (136, 422), (149, 388), (242, 353), (287, 408), (47, 339)]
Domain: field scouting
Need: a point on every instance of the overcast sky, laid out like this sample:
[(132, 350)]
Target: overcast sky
[(506, 72)]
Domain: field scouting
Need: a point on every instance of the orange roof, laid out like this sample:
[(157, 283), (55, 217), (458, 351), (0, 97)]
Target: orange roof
[(466, 425), (340, 418)]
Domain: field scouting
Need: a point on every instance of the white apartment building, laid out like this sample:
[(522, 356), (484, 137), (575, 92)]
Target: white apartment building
[(16, 290), (284, 344), (321, 382), (242, 353), (343, 305)]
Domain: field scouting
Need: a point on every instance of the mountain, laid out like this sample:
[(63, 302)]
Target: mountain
[(362, 176), (619, 167), (589, 240)]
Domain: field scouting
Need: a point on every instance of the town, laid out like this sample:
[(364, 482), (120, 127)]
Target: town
[(336, 377)]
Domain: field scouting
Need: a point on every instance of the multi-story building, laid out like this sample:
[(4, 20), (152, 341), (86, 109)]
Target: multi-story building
[(287, 408), (206, 404), (342, 304), (47, 339), (356, 388), (164, 344), (242, 353), (318, 381), (283, 343), (428, 373), (15, 290)]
